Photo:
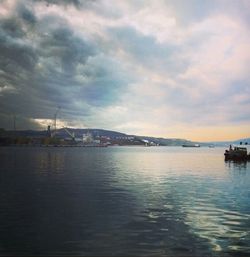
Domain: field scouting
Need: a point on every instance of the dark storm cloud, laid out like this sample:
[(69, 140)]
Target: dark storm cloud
[(147, 51), (60, 2), (11, 28), (76, 3), (26, 14), (21, 123), (66, 57), (67, 49), (40, 73), (107, 81), (15, 53), (18, 58), (17, 50), (46, 64)]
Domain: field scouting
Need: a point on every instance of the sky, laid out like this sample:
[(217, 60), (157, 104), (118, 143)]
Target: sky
[(173, 69)]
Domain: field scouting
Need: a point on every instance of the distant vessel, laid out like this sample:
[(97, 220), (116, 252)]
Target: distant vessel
[(190, 145), (237, 154)]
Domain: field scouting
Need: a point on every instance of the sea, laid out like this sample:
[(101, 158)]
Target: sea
[(123, 201)]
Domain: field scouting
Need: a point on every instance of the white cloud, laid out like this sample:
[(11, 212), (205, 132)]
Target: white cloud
[(6, 8), (222, 57)]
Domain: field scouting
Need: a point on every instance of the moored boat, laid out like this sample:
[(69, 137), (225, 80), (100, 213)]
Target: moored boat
[(191, 145), (237, 154)]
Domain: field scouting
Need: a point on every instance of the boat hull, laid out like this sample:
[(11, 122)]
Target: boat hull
[(236, 156)]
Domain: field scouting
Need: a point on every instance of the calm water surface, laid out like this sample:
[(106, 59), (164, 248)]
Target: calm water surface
[(130, 201)]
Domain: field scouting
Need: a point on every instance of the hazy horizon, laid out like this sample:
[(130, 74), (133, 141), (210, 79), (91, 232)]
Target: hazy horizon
[(172, 69)]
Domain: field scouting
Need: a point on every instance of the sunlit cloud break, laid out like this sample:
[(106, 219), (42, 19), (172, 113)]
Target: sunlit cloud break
[(177, 69)]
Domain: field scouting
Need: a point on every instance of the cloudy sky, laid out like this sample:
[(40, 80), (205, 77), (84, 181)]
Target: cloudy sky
[(171, 68)]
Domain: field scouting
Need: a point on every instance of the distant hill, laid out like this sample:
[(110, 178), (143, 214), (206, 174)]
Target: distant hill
[(244, 140), (227, 143), (96, 132), (167, 141), (62, 133)]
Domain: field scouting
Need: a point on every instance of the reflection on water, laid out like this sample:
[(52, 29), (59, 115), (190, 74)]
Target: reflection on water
[(236, 165), (123, 201), (219, 226), (50, 161)]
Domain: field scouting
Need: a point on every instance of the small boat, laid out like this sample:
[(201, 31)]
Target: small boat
[(237, 154), (191, 145)]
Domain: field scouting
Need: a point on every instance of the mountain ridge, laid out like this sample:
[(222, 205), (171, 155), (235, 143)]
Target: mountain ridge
[(115, 134)]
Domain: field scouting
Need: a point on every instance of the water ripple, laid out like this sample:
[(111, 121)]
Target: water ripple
[(162, 201)]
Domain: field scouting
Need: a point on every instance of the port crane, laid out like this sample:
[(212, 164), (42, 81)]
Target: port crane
[(72, 135), (55, 117), (53, 134)]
